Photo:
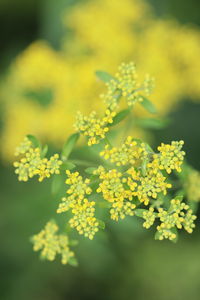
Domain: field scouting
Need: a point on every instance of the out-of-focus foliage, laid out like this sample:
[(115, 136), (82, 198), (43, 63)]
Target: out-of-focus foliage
[(44, 87)]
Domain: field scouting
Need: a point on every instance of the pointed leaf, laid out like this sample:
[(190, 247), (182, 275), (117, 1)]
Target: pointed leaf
[(44, 151), (104, 76), (120, 117), (56, 184), (139, 212), (69, 145), (101, 224), (148, 105), (68, 166), (151, 123), (34, 140), (73, 261), (90, 170), (73, 243), (157, 235)]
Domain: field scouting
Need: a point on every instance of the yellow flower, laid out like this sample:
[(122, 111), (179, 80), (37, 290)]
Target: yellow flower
[(170, 157), (149, 217), (23, 147), (113, 190), (179, 215), (148, 186), (128, 153), (52, 244), (93, 127), (32, 163), (83, 210)]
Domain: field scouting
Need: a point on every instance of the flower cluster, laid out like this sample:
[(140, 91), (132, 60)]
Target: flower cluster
[(32, 163), (149, 186), (192, 185), (52, 244), (126, 84), (128, 153), (134, 182), (93, 127), (179, 215), (82, 209), (113, 190), (23, 147), (149, 217), (144, 177), (170, 157)]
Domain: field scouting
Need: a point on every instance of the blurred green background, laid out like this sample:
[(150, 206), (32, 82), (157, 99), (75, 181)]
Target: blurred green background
[(125, 262)]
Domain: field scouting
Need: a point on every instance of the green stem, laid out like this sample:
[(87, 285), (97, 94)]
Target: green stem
[(82, 163), (108, 142)]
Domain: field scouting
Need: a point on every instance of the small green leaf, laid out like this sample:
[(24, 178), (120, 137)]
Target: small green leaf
[(139, 212), (151, 123), (174, 230), (179, 195), (68, 166), (101, 224), (193, 205), (34, 140), (73, 243), (148, 148), (104, 76), (144, 167), (157, 235), (139, 141), (90, 170), (120, 117), (56, 184), (44, 151), (148, 105), (73, 261), (69, 145)]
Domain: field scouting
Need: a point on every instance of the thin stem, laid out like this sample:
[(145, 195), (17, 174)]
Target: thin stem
[(82, 163)]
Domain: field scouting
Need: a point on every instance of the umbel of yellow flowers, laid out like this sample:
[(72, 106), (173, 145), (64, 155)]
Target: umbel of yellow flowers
[(132, 180)]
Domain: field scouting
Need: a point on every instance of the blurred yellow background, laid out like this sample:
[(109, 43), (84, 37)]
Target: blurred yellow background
[(49, 54)]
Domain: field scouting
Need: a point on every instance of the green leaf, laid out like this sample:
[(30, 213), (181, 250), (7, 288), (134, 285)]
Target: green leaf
[(180, 195), (120, 116), (148, 105), (73, 261), (90, 170), (104, 76), (34, 140), (56, 184), (174, 230), (151, 123), (193, 205), (44, 151), (148, 148), (157, 235), (68, 166), (144, 167), (101, 224), (73, 243), (139, 212), (139, 141), (69, 145)]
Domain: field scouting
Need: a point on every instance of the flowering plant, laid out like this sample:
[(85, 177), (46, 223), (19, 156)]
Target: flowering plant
[(120, 177)]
